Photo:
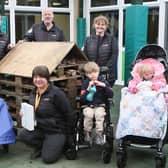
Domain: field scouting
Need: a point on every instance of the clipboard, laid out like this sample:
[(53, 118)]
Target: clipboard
[(28, 118)]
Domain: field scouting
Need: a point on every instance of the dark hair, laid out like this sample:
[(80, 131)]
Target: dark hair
[(42, 71)]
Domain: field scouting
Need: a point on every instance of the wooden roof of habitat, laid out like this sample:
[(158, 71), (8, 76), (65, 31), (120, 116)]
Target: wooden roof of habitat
[(21, 60)]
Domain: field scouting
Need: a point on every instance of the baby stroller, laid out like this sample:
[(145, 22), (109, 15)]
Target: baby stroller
[(7, 135), (80, 143), (135, 139)]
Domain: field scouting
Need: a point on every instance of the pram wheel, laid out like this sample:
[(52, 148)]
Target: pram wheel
[(106, 153), (160, 161), (5, 148), (71, 154), (121, 158)]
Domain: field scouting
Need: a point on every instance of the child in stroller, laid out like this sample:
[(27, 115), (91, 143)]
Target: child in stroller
[(147, 75), (143, 110), (94, 94)]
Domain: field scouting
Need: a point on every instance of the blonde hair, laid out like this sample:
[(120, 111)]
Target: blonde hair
[(145, 68), (101, 18), (91, 67)]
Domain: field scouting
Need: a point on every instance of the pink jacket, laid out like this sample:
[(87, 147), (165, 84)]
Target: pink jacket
[(158, 80)]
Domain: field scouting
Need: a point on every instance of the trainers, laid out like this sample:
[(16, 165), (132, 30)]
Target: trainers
[(87, 137), (35, 154), (99, 139)]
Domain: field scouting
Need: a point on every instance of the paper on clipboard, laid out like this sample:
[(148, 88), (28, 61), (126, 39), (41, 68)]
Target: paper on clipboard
[(28, 121)]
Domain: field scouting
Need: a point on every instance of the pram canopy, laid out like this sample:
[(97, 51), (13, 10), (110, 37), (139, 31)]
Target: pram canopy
[(152, 51)]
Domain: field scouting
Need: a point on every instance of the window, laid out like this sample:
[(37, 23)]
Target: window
[(95, 3), (28, 2), (24, 21), (153, 23), (58, 3), (6, 2), (62, 20), (136, 1)]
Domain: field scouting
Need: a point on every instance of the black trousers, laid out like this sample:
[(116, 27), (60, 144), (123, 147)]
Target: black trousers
[(51, 145)]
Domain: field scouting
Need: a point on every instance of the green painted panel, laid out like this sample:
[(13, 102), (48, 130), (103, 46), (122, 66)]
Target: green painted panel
[(135, 35), (4, 24), (81, 31)]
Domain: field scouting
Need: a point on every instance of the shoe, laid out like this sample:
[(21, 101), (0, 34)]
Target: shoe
[(99, 139), (87, 137), (35, 154)]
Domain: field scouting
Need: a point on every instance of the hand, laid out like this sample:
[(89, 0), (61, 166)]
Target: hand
[(99, 83), (155, 87), (91, 83), (10, 46), (134, 90)]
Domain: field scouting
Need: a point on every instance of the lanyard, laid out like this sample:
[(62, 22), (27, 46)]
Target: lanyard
[(37, 101)]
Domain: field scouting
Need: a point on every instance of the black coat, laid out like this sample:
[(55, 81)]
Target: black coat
[(104, 52), (100, 97), (38, 32), (54, 113), (3, 44)]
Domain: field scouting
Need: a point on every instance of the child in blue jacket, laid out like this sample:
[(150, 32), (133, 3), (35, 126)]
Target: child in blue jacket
[(95, 91)]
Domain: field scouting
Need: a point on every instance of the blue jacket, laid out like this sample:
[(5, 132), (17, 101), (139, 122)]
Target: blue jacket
[(7, 134), (101, 95)]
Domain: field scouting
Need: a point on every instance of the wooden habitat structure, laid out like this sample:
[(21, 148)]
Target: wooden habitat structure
[(63, 59)]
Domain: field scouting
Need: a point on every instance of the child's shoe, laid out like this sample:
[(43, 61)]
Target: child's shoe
[(87, 137), (99, 139)]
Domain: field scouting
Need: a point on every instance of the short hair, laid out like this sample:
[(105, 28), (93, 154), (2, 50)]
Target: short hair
[(145, 68), (101, 18), (42, 71), (91, 67)]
